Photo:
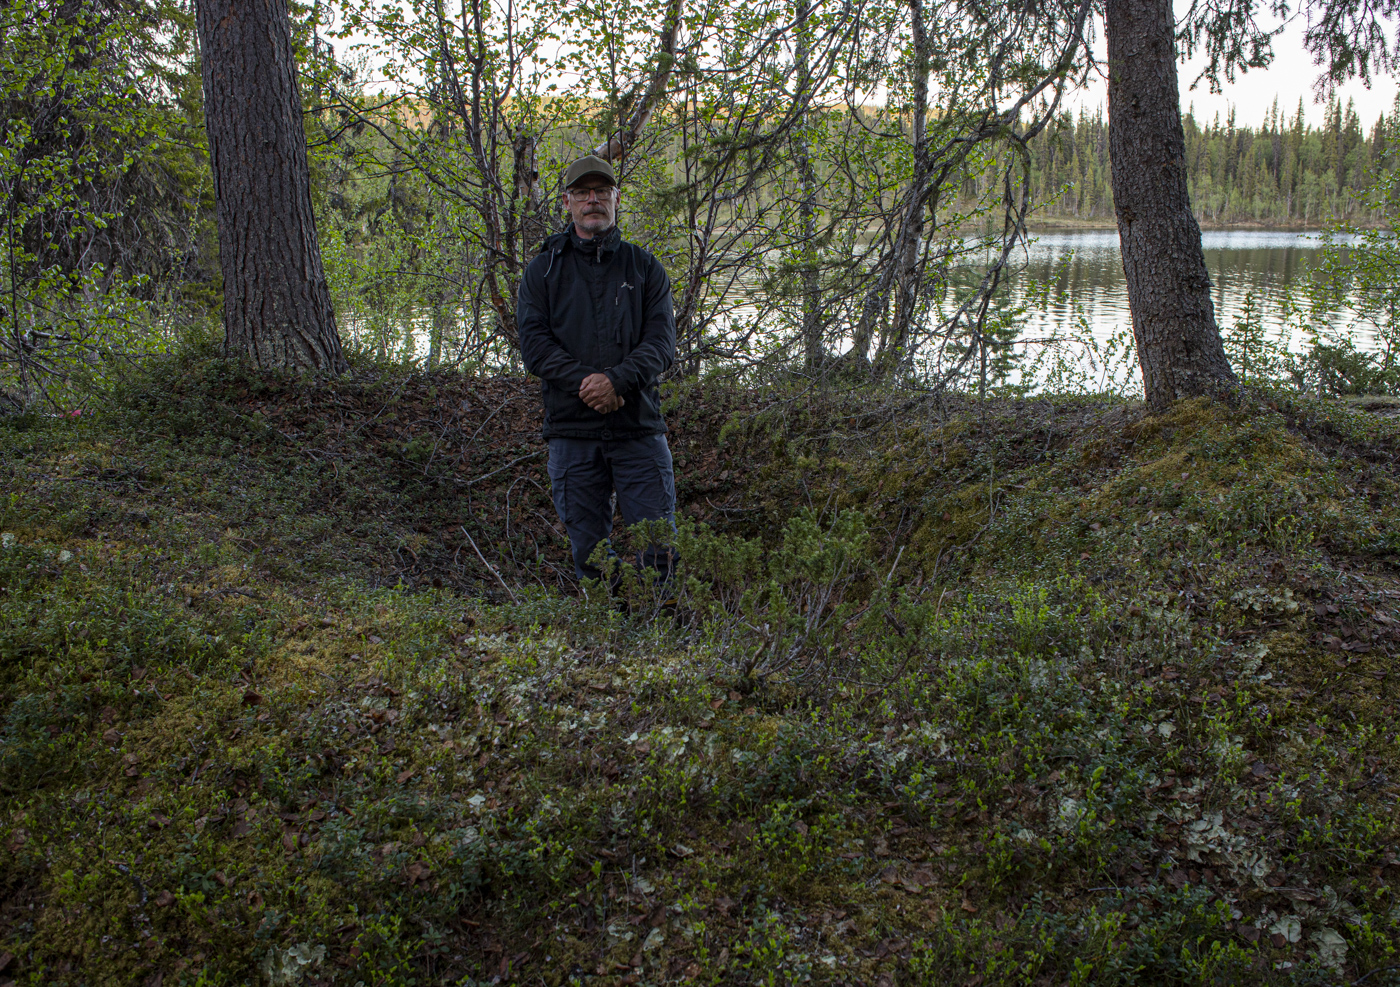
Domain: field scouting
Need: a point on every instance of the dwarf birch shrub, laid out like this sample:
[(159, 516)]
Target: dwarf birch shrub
[(764, 611)]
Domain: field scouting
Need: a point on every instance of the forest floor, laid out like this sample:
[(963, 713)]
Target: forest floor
[(296, 689)]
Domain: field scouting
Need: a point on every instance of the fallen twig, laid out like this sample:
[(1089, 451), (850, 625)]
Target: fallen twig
[(489, 565), (507, 466)]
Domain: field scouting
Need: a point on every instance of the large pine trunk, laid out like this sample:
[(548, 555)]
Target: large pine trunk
[(277, 307), (1178, 342)]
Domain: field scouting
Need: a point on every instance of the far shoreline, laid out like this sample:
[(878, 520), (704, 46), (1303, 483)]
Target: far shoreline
[(1055, 224)]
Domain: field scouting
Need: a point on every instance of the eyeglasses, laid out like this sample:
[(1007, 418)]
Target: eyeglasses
[(584, 194)]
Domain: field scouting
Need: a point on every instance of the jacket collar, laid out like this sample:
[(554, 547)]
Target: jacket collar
[(600, 246)]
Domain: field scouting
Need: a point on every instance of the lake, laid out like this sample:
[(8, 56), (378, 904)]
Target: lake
[(1087, 274), (1088, 296)]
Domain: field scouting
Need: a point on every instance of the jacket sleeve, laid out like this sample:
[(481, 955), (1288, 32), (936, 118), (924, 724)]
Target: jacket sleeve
[(656, 352), (544, 355)]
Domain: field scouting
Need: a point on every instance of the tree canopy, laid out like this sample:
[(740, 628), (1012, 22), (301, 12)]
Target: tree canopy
[(835, 189)]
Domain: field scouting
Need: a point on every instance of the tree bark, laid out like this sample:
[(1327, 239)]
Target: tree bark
[(894, 348), (814, 349), (1178, 342), (277, 306), (630, 132)]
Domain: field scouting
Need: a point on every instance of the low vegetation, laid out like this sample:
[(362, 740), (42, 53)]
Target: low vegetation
[(295, 690)]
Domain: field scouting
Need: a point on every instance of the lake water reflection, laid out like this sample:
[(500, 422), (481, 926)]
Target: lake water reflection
[(1087, 273)]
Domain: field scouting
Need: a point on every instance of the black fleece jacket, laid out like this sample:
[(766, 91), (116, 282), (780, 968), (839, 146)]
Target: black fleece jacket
[(597, 306)]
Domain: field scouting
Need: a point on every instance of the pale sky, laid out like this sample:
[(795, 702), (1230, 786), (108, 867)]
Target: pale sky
[(1290, 76)]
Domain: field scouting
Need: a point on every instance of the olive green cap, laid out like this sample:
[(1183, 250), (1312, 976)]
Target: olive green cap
[(589, 164)]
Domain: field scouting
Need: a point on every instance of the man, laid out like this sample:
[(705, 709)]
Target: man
[(596, 327)]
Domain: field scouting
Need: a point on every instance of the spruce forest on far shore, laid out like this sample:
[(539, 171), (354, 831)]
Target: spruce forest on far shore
[(1288, 172)]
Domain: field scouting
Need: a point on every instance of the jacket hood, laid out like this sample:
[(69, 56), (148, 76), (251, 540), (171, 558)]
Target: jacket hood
[(600, 247), (606, 243)]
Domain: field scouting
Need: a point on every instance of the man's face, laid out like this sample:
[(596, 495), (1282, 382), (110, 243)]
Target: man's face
[(592, 204)]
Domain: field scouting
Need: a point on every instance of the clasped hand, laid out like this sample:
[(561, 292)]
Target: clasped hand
[(597, 392)]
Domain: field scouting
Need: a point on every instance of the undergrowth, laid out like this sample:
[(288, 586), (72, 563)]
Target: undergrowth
[(295, 689)]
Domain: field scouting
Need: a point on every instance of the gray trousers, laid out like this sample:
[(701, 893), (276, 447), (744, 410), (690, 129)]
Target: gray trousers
[(584, 473)]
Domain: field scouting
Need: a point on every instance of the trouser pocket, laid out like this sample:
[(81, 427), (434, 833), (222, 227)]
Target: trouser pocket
[(582, 494), (666, 479), (557, 490)]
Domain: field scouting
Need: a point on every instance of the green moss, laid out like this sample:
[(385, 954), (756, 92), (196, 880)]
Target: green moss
[(1087, 696)]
